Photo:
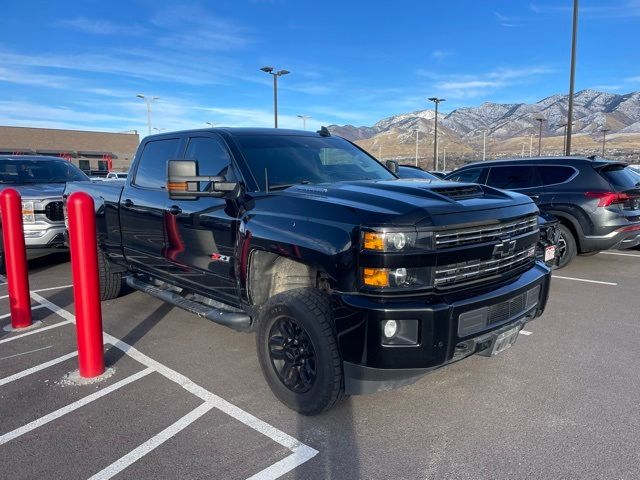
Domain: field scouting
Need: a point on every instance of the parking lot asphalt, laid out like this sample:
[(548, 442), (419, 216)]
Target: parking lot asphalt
[(187, 398)]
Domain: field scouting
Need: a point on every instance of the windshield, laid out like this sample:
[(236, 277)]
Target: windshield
[(413, 172), (284, 160), (23, 171)]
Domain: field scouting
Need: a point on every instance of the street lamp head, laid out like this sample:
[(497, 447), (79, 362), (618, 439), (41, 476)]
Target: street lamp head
[(140, 96), (283, 72), (436, 99), (267, 69)]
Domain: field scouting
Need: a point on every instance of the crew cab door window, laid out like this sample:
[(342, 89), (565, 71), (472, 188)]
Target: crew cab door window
[(512, 177), (152, 167)]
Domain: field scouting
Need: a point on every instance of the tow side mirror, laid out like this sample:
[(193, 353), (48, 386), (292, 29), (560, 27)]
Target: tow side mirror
[(184, 182), (392, 165)]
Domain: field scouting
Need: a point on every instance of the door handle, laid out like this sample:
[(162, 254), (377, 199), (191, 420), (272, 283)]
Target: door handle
[(174, 210), (127, 203), (535, 198)]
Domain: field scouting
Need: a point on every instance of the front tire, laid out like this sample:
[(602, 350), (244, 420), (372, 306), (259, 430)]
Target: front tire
[(298, 351), (567, 246)]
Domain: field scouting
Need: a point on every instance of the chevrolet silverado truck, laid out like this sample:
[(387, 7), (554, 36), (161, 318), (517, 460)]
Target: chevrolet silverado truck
[(40, 181), (355, 281)]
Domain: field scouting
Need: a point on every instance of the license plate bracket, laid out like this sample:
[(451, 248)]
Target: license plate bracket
[(502, 341)]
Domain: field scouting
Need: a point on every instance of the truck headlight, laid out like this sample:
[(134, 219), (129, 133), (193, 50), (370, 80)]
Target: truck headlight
[(28, 213), (388, 240), (396, 278)]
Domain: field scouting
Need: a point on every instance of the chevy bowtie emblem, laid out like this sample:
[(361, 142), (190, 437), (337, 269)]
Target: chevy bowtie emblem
[(507, 247)]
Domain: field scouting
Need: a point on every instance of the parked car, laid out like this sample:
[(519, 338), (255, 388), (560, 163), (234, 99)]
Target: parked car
[(597, 201), (354, 280), (40, 181), (116, 176)]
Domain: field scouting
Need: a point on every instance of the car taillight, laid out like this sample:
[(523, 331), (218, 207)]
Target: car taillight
[(609, 198)]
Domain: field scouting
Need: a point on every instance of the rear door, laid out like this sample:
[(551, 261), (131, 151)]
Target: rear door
[(523, 179), (143, 203), (201, 233)]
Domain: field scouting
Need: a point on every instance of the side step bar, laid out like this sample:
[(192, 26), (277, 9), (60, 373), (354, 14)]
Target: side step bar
[(237, 320)]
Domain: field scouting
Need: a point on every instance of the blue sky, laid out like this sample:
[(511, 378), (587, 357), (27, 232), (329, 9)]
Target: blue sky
[(80, 64)]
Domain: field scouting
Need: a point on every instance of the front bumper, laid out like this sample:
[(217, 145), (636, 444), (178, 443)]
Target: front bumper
[(370, 366), (44, 235)]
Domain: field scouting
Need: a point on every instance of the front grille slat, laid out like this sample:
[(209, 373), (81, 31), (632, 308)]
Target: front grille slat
[(54, 211), (461, 273), (466, 236)]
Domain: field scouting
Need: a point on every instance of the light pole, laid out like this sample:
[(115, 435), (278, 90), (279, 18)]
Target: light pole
[(531, 145), (572, 77), (149, 101), (604, 138), (417, 135), (444, 160), (159, 129), (435, 100), (540, 119), (275, 75), (523, 145), (484, 145), (304, 120)]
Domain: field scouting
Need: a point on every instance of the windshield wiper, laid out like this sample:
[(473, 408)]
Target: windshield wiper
[(283, 186)]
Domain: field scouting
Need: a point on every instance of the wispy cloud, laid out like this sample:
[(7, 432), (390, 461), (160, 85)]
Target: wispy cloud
[(508, 21), (101, 27)]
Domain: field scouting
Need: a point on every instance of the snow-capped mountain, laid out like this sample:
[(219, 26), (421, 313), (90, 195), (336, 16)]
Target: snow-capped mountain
[(593, 111)]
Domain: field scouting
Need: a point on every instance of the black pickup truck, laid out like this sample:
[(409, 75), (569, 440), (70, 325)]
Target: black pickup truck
[(354, 280)]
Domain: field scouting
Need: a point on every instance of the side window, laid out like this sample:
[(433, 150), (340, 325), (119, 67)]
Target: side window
[(212, 156), (511, 177), (552, 174), (152, 167), (471, 176)]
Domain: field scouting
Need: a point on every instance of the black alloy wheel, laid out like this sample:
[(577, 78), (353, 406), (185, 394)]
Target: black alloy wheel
[(292, 355)]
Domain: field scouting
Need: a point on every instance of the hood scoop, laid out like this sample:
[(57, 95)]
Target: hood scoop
[(460, 193)]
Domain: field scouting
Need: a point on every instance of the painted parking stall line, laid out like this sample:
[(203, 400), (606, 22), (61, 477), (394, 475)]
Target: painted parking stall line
[(599, 282), (636, 255), (73, 406), (300, 453)]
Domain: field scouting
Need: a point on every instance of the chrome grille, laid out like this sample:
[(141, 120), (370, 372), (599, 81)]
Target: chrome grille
[(485, 233), (464, 272), (54, 211)]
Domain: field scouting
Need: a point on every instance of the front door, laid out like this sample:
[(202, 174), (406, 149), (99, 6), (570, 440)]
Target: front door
[(201, 233)]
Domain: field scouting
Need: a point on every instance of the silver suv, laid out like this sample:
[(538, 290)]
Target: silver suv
[(40, 181)]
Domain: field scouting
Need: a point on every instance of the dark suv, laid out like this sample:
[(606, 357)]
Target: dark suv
[(597, 201)]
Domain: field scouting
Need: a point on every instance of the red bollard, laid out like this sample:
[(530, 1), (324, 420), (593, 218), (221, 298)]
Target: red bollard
[(15, 255), (86, 283)]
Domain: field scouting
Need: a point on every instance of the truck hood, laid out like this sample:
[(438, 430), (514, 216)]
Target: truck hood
[(37, 191), (410, 201)]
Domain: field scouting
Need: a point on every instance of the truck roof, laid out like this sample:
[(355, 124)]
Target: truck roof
[(245, 131)]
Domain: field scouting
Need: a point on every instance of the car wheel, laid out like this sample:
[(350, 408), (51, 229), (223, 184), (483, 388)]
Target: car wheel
[(567, 249), (298, 351), (110, 282)]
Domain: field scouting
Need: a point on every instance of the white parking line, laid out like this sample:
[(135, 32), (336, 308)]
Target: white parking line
[(41, 290), (621, 254), (37, 368), (585, 280), (301, 453), (33, 332), (32, 308), (155, 441), (526, 332), (73, 406)]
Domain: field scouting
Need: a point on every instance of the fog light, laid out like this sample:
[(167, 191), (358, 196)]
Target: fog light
[(390, 328)]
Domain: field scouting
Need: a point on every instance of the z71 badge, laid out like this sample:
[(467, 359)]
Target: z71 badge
[(216, 257)]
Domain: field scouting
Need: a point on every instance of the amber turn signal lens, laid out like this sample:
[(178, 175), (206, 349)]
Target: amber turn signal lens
[(373, 241), (177, 186), (376, 277)]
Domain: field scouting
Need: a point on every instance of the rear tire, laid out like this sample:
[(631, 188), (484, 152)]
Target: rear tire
[(567, 246), (110, 282), (298, 350)]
